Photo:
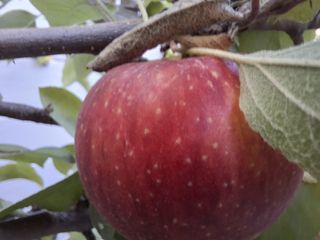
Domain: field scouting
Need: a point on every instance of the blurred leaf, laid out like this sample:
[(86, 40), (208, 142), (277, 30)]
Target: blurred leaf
[(301, 220), (280, 98), (17, 19), (38, 156), (65, 104), (62, 12), (44, 61), (75, 70), (303, 12), (48, 238), (252, 41), (4, 204), (105, 230), (21, 154), (20, 170), (76, 236), (58, 197), (154, 7)]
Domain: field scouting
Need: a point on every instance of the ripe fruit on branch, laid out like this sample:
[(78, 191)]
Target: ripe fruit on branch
[(164, 152)]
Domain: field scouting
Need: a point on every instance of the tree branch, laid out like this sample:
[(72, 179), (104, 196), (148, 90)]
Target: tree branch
[(25, 112), (43, 223), (32, 42)]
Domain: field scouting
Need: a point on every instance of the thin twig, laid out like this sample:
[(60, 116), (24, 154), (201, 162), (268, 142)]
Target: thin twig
[(25, 112), (42, 223), (32, 42)]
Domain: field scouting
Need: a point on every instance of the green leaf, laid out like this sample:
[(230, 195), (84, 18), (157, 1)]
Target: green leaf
[(17, 19), (301, 220), (38, 156), (75, 70), (303, 12), (20, 170), (61, 12), (252, 41), (63, 167), (280, 98), (155, 7), (58, 197), (65, 104), (20, 154)]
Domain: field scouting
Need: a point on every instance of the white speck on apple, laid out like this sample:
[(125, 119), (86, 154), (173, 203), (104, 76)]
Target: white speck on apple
[(188, 160), (190, 184), (210, 84), (214, 74), (209, 120), (204, 157), (174, 221), (117, 136), (155, 166), (215, 145), (106, 103), (178, 141), (130, 153), (146, 131), (158, 111)]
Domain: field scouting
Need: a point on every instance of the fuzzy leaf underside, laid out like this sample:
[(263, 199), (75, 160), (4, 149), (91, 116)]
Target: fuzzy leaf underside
[(280, 98)]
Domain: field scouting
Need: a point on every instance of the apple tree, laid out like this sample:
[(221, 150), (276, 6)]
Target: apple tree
[(221, 137)]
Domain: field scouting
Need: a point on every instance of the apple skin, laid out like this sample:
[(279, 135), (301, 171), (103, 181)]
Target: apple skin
[(164, 152)]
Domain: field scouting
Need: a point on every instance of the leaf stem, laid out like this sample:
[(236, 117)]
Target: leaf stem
[(142, 10), (254, 60)]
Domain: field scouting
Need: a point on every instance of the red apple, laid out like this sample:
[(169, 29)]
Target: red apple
[(164, 152)]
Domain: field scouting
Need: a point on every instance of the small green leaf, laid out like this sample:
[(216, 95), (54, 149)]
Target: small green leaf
[(65, 104), (58, 197), (20, 170), (17, 19), (61, 12), (301, 220), (75, 70), (155, 7)]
